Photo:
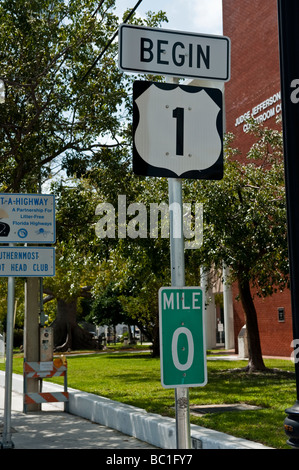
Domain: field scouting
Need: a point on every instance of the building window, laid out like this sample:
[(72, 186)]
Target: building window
[(280, 314)]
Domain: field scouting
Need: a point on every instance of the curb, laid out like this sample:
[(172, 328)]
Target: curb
[(157, 430)]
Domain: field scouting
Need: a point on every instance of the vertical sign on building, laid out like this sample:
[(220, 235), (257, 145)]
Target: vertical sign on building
[(288, 16)]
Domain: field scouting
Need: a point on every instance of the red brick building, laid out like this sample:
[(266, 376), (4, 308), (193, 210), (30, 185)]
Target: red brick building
[(254, 90)]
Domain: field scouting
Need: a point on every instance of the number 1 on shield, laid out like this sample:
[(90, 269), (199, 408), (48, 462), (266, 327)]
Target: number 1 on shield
[(178, 114)]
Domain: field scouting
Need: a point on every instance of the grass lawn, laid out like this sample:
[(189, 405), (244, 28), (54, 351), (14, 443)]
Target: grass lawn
[(134, 378)]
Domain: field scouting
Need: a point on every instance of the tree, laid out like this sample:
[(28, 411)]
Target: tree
[(50, 114), (56, 117), (107, 310), (77, 261), (139, 264), (245, 226), (54, 113)]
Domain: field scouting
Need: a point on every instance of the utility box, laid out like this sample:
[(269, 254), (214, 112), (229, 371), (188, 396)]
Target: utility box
[(46, 344)]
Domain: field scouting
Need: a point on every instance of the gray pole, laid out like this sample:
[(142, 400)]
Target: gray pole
[(6, 437), (178, 280)]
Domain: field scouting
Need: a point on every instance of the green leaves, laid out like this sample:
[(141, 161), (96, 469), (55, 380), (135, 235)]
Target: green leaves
[(245, 216), (50, 113)]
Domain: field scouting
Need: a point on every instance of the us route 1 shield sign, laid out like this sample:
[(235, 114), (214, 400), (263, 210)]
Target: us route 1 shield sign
[(178, 131), (182, 337)]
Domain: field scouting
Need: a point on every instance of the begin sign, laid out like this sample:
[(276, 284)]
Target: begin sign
[(175, 53)]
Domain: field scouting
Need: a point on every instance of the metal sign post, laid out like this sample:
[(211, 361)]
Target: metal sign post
[(6, 436), (177, 263)]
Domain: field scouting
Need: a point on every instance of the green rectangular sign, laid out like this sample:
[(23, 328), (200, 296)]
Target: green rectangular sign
[(182, 337)]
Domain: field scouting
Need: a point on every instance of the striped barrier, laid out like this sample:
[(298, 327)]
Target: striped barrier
[(45, 397), (42, 370), (36, 370)]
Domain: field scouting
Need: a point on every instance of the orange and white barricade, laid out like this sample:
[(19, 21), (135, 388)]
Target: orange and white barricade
[(42, 370)]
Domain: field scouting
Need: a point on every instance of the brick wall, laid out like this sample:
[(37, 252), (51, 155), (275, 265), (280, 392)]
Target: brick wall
[(252, 27), (255, 78)]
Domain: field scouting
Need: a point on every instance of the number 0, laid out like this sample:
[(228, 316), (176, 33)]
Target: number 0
[(174, 348)]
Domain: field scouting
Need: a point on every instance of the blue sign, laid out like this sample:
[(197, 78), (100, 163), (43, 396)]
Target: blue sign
[(27, 218), (19, 261)]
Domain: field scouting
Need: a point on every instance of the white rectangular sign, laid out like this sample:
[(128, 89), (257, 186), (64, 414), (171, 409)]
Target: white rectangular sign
[(27, 261), (27, 218), (175, 53)]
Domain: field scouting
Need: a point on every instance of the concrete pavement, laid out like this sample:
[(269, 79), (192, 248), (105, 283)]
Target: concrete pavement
[(99, 423), (52, 428)]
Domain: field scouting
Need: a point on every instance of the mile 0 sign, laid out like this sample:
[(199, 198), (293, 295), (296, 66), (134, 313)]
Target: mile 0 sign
[(182, 337), (177, 131)]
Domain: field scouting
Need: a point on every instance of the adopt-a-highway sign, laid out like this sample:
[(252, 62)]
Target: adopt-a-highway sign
[(27, 218), (182, 337)]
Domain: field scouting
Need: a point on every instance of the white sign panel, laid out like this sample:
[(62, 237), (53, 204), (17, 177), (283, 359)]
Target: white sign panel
[(27, 218), (178, 131), (176, 53), (27, 261)]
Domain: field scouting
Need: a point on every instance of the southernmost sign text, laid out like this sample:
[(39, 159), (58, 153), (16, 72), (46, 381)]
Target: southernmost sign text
[(27, 261)]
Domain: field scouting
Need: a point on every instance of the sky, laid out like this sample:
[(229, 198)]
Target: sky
[(193, 16)]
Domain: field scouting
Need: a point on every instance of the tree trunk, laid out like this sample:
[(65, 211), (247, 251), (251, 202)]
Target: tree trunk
[(156, 341), (68, 335), (254, 346)]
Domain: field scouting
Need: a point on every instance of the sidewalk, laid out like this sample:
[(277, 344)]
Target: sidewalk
[(52, 428), (99, 423)]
